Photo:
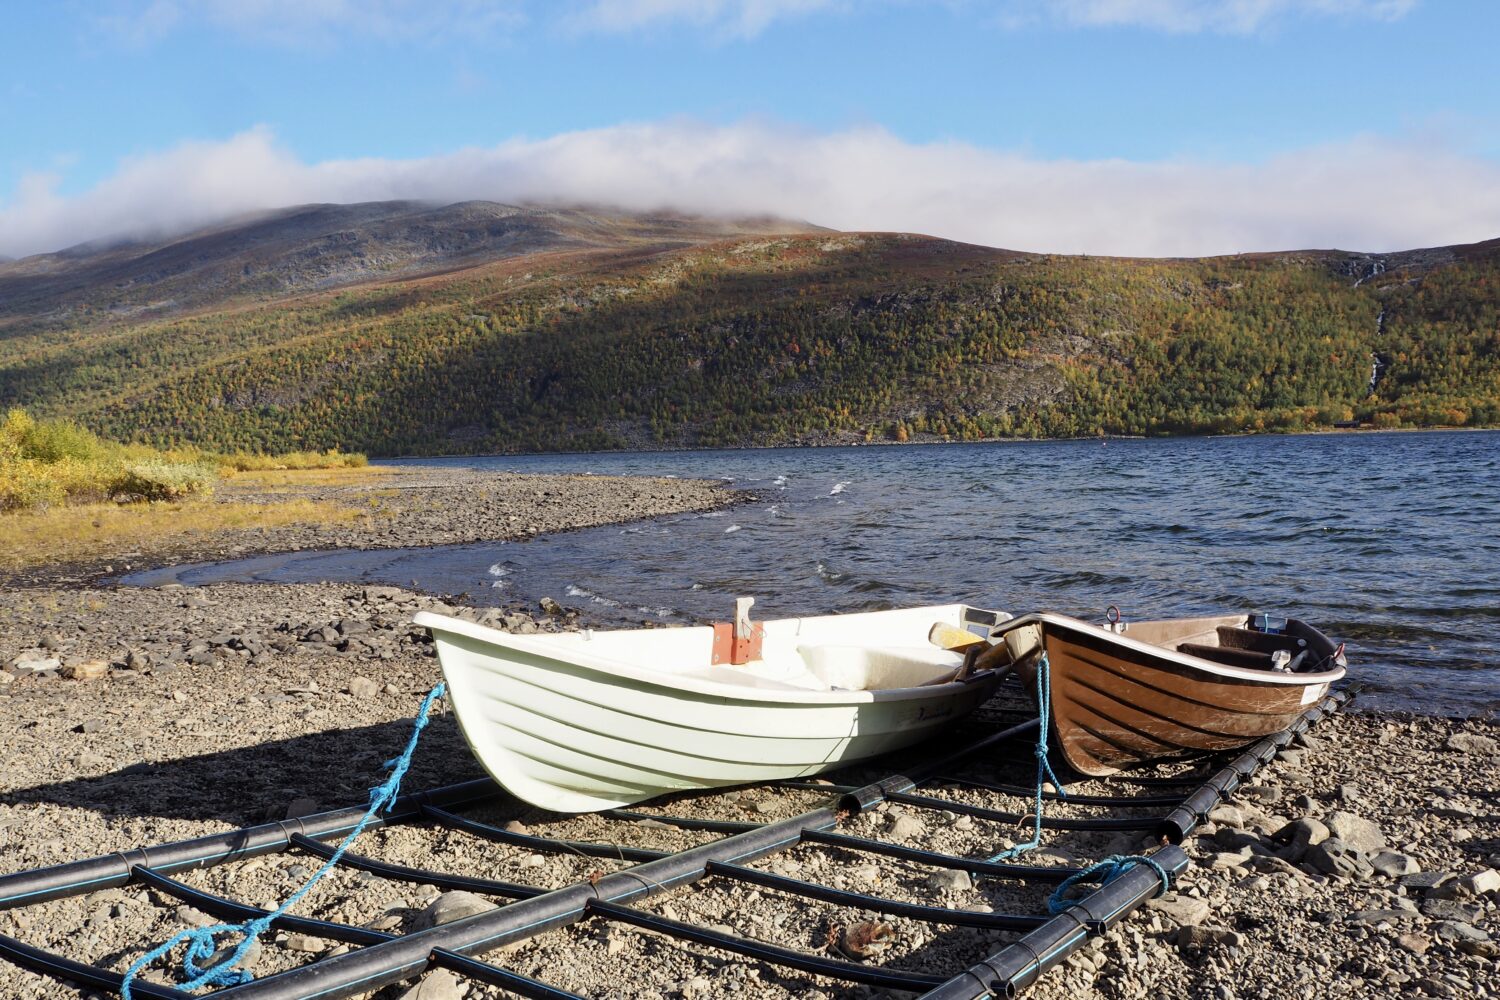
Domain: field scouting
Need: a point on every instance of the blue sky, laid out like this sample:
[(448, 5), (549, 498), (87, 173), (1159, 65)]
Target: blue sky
[(1020, 122)]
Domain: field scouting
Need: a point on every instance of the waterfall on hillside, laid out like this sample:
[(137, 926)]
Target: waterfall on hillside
[(1376, 267)]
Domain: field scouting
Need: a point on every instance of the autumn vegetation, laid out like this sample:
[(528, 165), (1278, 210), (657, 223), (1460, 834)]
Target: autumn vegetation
[(801, 339), (50, 463)]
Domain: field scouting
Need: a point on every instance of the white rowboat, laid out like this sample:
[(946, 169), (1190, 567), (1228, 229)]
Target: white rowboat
[(579, 721)]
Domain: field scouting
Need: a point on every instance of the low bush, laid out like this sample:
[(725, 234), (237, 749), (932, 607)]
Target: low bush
[(255, 462), (161, 480)]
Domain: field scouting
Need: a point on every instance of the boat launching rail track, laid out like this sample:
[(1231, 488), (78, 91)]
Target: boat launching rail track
[(1017, 947)]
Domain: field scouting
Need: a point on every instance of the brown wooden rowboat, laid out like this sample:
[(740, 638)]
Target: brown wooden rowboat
[(1126, 693)]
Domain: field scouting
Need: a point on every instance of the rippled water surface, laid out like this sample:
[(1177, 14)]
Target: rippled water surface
[(1387, 541)]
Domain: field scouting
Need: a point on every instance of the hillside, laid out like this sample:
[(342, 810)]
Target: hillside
[(532, 330)]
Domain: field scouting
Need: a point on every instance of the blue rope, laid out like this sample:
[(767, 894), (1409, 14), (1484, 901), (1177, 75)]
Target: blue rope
[(1043, 767), (201, 943), (1105, 872)]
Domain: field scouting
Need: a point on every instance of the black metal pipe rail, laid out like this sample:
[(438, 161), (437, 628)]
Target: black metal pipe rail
[(230, 909), (113, 870), (974, 866), (1072, 798), (862, 901), (618, 852), (873, 975), (420, 876), (383, 958)]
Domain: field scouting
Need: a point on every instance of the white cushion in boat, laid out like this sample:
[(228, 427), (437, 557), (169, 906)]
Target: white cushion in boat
[(879, 668)]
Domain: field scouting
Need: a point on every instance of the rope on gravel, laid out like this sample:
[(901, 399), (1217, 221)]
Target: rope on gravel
[(1104, 872), (1043, 767), (201, 940)]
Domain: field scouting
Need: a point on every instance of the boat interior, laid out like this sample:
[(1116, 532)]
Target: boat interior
[(1255, 642)]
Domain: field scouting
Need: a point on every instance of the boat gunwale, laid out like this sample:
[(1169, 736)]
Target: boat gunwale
[(613, 670), (1186, 660)]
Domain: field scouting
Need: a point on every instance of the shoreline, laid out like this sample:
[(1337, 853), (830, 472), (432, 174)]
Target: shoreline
[(932, 442), (393, 507)]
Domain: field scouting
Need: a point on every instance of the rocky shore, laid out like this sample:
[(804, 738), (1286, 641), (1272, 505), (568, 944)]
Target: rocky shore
[(408, 506), (1362, 861)]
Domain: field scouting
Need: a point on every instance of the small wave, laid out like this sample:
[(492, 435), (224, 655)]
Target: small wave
[(779, 481), (499, 569), (574, 591), (712, 513), (732, 527), (839, 488)]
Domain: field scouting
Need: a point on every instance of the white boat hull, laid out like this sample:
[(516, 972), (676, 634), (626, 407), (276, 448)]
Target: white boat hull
[(584, 721)]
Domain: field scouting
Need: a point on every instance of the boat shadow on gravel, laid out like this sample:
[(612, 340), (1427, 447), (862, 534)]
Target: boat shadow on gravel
[(256, 784)]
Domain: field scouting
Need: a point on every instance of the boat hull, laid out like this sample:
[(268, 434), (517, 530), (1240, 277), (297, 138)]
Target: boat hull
[(1116, 704), (571, 737)]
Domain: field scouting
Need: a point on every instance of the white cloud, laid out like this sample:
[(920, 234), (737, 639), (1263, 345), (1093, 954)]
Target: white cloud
[(300, 22), (734, 18), (1366, 194), (1190, 16)]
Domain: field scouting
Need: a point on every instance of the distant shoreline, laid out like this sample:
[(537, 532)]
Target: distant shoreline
[(812, 445)]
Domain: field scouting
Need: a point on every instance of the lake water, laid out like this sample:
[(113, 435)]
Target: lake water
[(1386, 541)]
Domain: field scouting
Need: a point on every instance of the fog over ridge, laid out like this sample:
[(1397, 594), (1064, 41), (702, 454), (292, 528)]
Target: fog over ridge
[(1371, 193)]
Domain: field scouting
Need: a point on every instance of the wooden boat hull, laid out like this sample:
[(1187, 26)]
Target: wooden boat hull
[(572, 730), (1117, 702)]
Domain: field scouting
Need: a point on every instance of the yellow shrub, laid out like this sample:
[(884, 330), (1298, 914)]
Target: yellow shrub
[(157, 480)]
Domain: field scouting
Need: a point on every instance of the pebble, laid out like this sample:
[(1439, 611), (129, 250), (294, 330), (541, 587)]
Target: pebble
[(1393, 865), (1355, 831), (1417, 944), (1473, 743), (86, 670), (363, 688), (905, 827), (950, 880), (439, 984), (697, 986), (193, 917), (305, 943), (1423, 881), (451, 906), (1298, 836), (1183, 910), (1482, 883), (1336, 858), (1450, 909)]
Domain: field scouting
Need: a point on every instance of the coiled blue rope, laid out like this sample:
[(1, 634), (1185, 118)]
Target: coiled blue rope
[(1043, 766), (1105, 872), (201, 940)]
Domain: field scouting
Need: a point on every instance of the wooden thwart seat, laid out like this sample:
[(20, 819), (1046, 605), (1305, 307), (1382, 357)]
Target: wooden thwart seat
[(1260, 642), (1227, 655)]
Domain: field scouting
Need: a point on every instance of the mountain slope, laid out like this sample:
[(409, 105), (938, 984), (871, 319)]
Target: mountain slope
[(311, 247), (622, 336)]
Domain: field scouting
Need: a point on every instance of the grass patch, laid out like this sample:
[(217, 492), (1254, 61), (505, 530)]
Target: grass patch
[(89, 533), (275, 479), (47, 463)]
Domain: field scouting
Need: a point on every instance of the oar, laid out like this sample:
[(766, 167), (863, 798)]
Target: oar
[(953, 638), (979, 654)]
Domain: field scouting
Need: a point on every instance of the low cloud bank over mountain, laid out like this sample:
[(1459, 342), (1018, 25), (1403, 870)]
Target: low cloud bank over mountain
[(1367, 194)]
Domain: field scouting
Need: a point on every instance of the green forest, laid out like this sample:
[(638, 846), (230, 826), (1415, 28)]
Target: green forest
[(803, 339)]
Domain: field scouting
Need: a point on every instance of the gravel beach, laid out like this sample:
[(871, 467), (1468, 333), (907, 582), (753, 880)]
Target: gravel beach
[(1361, 862)]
